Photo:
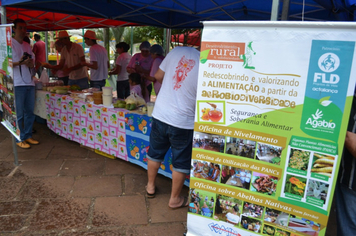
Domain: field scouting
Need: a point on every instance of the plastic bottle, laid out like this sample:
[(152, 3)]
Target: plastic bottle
[(153, 94)]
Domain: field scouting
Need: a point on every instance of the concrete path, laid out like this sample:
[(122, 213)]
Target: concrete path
[(62, 189)]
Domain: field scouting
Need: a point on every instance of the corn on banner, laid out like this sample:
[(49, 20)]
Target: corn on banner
[(273, 103)]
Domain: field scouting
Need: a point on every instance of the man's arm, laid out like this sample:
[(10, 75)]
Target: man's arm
[(93, 65), (350, 143), (159, 75), (28, 62), (116, 70), (55, 67)]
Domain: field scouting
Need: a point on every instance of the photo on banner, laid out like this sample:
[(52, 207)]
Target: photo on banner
[(7, 96), (270, 124)]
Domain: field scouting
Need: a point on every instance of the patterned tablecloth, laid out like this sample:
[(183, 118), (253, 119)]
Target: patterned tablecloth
[(138, 129), (91, 125), (114, 131)]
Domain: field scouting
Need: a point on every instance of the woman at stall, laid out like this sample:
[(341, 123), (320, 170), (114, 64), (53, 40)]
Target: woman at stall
[(157, 57), (141, 63), (122, 61)]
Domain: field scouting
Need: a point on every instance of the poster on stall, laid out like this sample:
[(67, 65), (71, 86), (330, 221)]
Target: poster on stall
[(7, 98), (273, 102)]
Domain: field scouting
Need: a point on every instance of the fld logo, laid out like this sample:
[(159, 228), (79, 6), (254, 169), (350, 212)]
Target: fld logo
[(329, 62), (315, 122)]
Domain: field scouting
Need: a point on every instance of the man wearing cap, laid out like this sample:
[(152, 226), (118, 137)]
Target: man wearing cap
[(98, 61), (72, 56)]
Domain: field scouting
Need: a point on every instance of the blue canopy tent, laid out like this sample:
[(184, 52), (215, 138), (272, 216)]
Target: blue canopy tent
[(189, 13)]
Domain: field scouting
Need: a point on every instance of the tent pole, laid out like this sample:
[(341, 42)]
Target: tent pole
[(46, 41), (274, 11), (83, 42), (131, 40), (3, 15), (168, 40), (285, 9)]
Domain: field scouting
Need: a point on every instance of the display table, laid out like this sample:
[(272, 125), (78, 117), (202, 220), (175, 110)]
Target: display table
[(138, 129), (113, 131), (91, 125)]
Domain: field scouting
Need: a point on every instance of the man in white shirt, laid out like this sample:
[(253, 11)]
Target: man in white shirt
[(99, 62), (23, 64), (173, 120)]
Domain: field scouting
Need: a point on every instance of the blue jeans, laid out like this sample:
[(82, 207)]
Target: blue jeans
[(345, 210), (97, 84), (25, 104), (82, 83), (163, 137)]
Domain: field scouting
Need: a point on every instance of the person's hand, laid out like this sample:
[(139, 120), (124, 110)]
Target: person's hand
[(28, 62), (350, 143), (138, 69), (130, 70), (46, 65), (83, 63)]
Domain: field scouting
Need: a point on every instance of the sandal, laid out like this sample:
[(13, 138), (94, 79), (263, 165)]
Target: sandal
[(184, 204), (151, 195)]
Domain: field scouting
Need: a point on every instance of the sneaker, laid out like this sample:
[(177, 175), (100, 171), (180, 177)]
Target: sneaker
[(32, 141), (23, 144)]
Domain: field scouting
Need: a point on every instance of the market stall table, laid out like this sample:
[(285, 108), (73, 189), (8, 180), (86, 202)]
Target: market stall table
[(113, 132)]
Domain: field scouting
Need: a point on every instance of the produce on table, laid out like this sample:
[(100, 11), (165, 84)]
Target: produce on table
[(74, 87), (120, 104), (130, 106), (299, 159), (58, 89)]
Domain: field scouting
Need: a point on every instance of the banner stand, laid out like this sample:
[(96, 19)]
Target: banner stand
[(16, 160), (14, 136), (7, 92), (272, 110)]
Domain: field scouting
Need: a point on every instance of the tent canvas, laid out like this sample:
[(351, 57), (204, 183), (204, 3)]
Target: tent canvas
[(190, 13)]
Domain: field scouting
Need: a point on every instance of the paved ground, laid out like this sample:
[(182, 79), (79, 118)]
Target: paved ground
[(62, 189)]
